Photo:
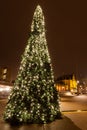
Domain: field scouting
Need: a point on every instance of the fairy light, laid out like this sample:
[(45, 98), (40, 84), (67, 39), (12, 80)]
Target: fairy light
[(32, 99)]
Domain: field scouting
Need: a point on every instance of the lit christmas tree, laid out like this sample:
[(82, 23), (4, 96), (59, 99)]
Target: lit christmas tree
[(34, 98)]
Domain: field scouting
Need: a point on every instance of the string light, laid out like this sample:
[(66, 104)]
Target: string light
[(34, 98)]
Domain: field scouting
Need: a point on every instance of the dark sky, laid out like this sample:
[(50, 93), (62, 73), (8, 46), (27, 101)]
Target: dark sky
[(66, 25)]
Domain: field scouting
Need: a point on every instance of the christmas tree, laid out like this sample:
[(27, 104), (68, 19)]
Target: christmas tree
[(34, 98)]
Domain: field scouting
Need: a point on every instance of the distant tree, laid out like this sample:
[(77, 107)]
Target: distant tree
[(34, 98)]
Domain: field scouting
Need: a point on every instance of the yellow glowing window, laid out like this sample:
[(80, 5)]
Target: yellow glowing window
[(4, 77), (5, 71)]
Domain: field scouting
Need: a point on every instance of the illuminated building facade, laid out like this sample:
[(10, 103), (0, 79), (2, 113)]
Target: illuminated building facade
[(5, 84), (4, 74), (66, 83)]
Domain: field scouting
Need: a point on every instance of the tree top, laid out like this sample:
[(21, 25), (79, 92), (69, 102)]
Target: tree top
[(38, 20)]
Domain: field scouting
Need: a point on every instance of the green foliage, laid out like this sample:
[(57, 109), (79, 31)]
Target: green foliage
[(34, 98)]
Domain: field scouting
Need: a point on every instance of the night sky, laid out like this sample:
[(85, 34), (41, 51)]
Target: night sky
[(66, 25)]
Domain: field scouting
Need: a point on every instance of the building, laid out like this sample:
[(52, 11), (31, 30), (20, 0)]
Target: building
[(66, 83), (82, 86), (5, 74), (5, 82)]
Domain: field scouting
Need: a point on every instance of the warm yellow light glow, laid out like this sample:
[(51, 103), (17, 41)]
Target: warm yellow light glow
[(5, 88)]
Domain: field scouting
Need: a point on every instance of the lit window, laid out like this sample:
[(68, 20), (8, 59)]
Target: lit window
[(4, 77), (4, 71)]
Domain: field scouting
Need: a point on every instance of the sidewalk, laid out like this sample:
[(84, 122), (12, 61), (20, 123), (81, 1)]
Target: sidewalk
[(62, 124)]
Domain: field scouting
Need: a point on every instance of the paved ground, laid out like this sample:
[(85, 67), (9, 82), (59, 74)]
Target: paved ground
[(79, 118), (74, 103), (76, 109), (63, 124)]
